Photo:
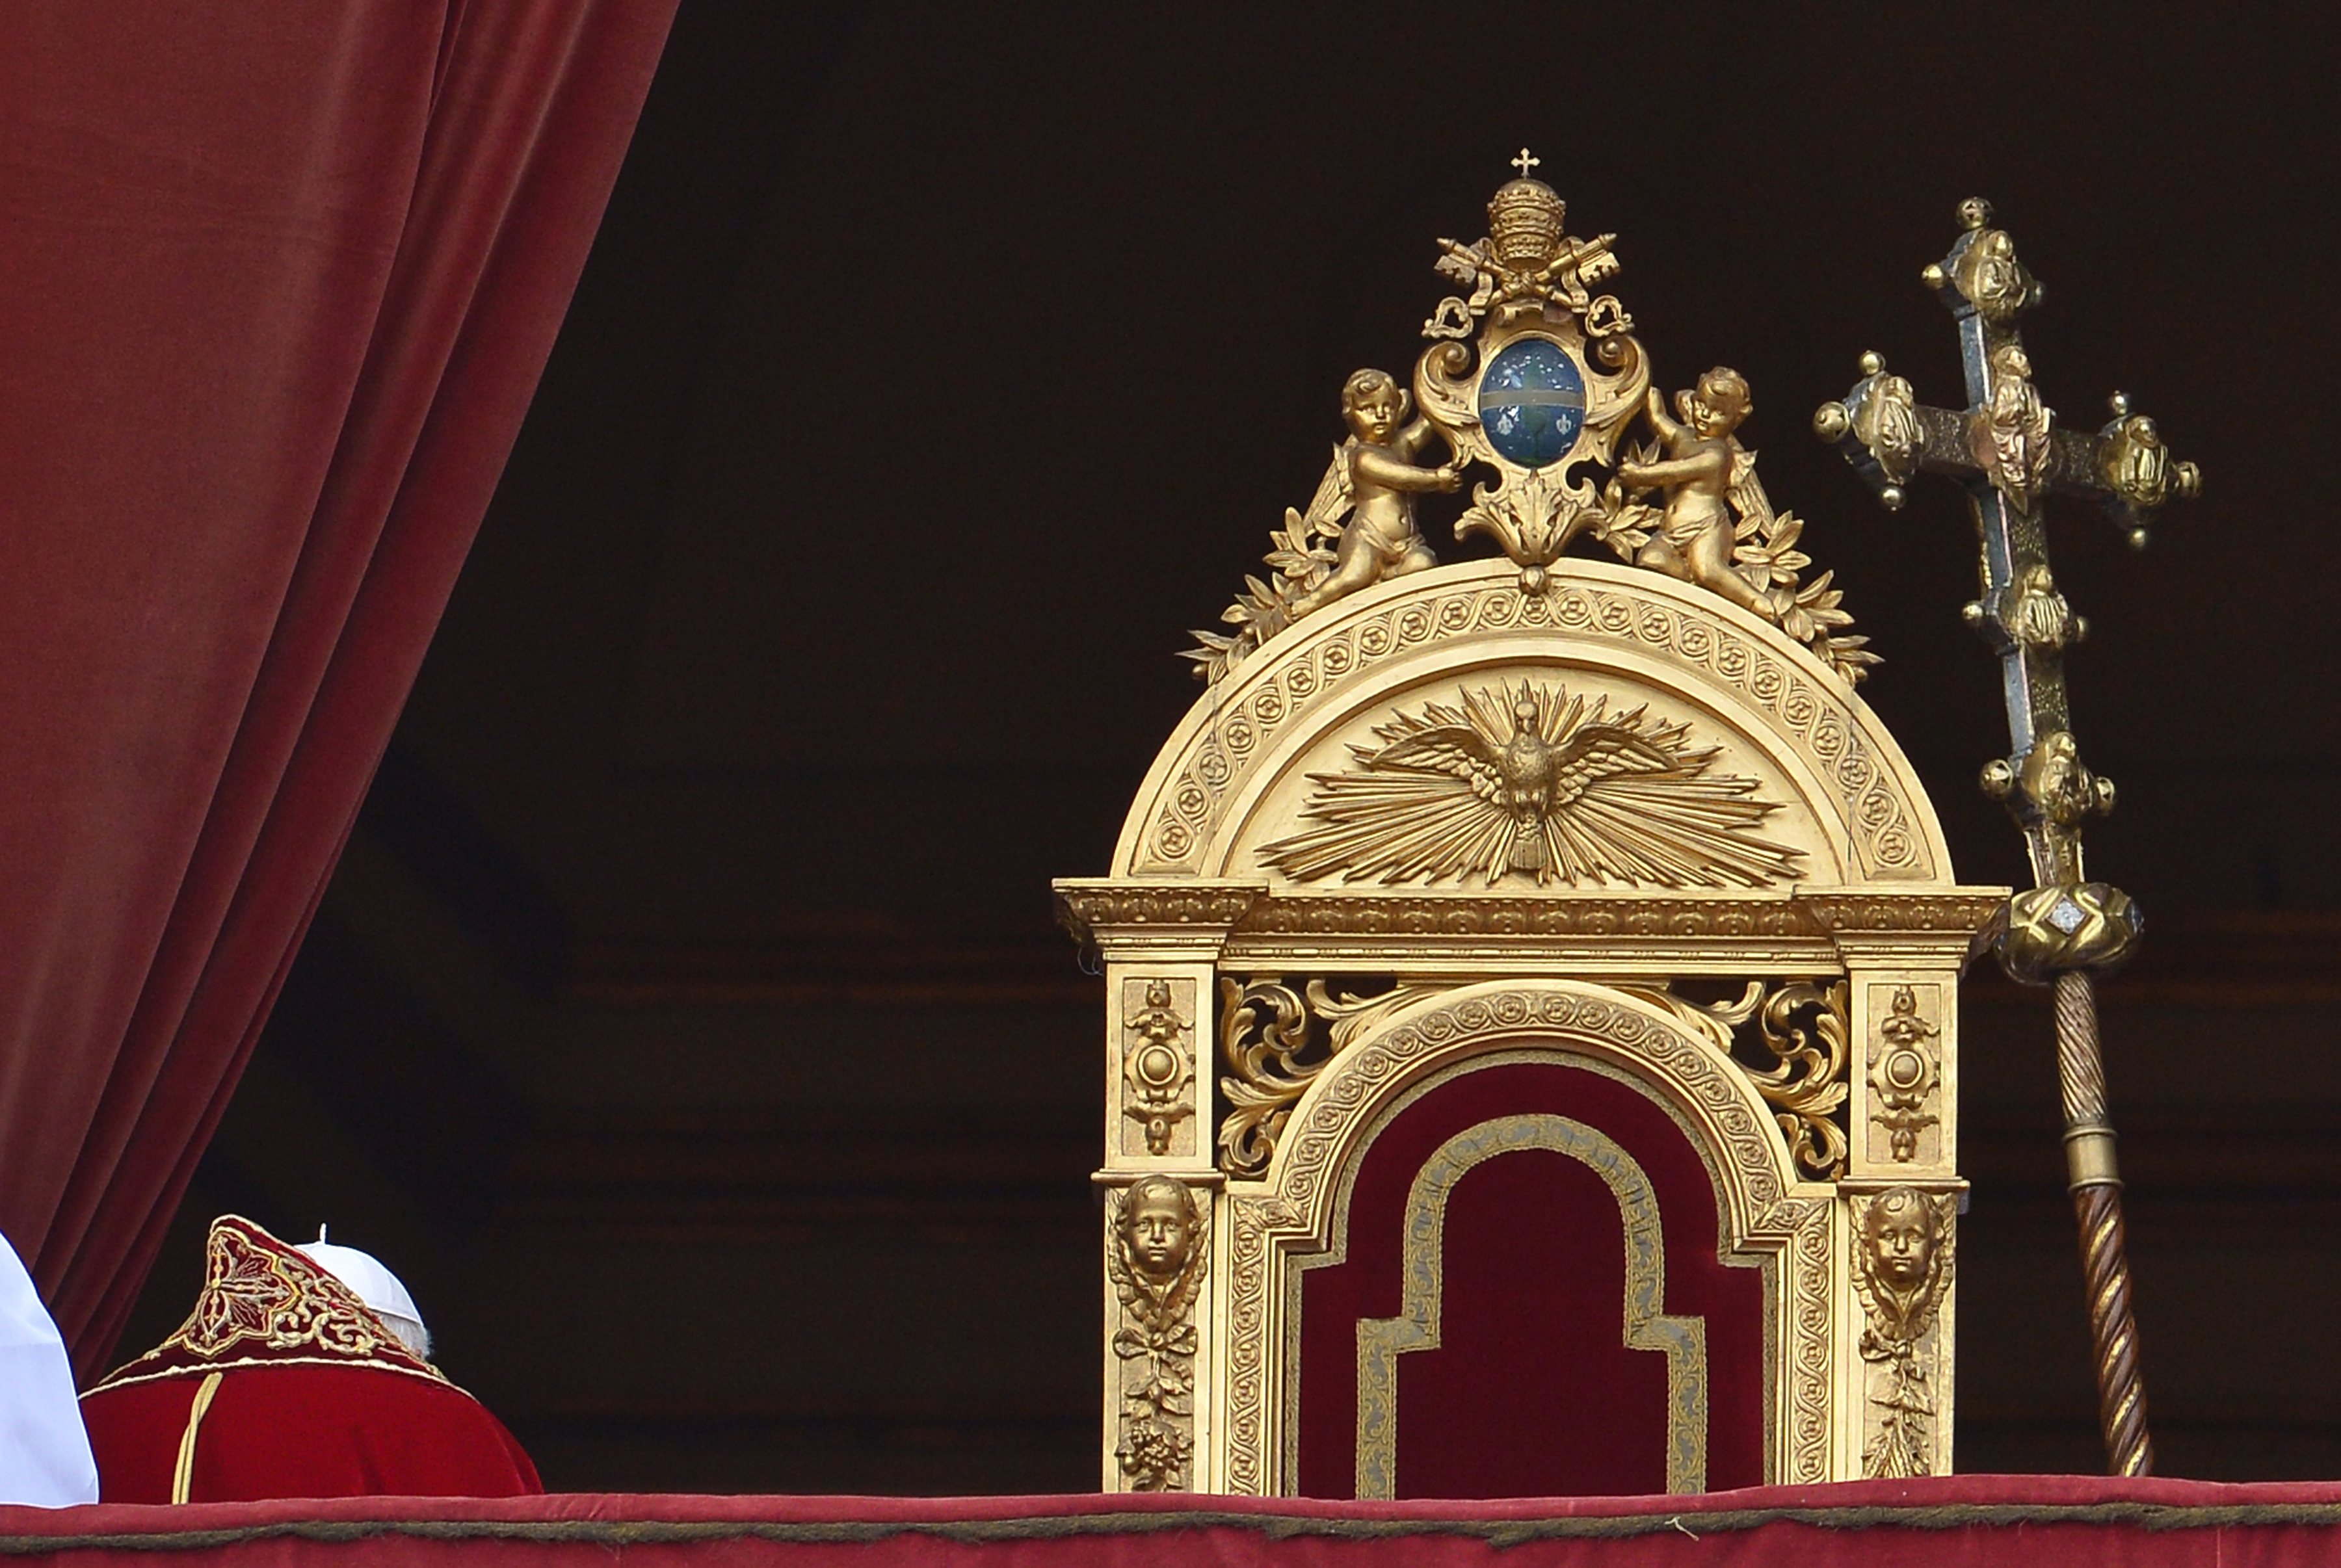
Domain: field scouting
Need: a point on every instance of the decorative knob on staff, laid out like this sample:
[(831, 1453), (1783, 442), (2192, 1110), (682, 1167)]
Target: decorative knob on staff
[(2006, 449)]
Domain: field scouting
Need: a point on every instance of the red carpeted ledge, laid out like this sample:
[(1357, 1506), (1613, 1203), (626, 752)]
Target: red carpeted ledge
[(1964, 1519)]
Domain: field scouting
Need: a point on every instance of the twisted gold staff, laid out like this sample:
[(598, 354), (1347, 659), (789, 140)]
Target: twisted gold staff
[(2095, 1188)]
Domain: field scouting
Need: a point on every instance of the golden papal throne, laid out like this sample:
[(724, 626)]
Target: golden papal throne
[(1531, 981)]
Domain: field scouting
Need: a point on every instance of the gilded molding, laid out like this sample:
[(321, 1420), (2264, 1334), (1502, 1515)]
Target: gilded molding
[(1961, 911), (1364, 1071), (1811, 1344), (1100, 912), (1251, 1219), (1423, 1274), (1685, 916)]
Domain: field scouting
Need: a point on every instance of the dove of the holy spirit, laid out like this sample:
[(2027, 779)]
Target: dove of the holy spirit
[(1533, 780)]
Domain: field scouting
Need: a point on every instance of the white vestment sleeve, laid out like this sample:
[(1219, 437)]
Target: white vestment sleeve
[(44, 1457)]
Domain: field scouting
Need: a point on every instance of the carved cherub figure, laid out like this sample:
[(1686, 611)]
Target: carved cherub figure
[(1159, 1226), (1695, 539), (1374, 478), (1902, 1270)]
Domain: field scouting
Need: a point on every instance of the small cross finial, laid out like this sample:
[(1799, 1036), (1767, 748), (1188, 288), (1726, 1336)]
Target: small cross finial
[(1525, 163)]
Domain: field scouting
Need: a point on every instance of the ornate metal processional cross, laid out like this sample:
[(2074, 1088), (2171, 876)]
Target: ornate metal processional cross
[(2008, 454)]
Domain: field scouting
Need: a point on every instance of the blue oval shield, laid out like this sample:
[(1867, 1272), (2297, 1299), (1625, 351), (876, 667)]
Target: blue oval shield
[(1532, 403)]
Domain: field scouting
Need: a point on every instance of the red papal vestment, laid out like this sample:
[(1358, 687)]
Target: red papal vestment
[(282, 1384)]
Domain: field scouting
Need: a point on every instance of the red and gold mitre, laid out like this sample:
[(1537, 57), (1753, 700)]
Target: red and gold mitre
[(264, 1303), (283, 1383)]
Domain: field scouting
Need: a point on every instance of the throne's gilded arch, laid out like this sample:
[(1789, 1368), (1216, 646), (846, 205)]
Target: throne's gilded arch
[(1547, 824)]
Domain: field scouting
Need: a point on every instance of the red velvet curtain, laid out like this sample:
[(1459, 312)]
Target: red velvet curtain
[(276, 284)]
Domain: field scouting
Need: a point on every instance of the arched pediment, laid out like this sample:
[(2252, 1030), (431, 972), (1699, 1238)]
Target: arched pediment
[(1337, 754)]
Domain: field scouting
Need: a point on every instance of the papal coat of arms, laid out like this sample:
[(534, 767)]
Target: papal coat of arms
[(1531, 781)]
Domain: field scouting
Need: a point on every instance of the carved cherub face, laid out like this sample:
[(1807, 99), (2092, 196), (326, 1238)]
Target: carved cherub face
[(1375, 412), (1900, 1236), (1718, 404), (1157, 1228)]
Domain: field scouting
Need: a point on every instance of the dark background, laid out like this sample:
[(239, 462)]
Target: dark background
[(686, 1023)]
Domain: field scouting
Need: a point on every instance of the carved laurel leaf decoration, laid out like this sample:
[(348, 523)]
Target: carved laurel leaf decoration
[(1533, 782)]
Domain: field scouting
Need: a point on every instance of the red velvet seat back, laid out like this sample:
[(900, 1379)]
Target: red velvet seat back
[(1531, 1390)]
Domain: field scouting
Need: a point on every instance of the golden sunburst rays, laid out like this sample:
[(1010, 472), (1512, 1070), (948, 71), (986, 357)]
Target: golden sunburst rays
[(1534, 780)]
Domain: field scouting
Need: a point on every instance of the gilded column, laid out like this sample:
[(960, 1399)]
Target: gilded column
[(1159, 945)]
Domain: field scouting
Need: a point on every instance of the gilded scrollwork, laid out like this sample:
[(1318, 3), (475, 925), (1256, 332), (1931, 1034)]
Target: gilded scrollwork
[(1905, 1075), (1901, 1270), (1158, 1060), (1273, 1053), (1806, 1085), (1801, 1028), (1264, 1033), (1155, 1258)]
